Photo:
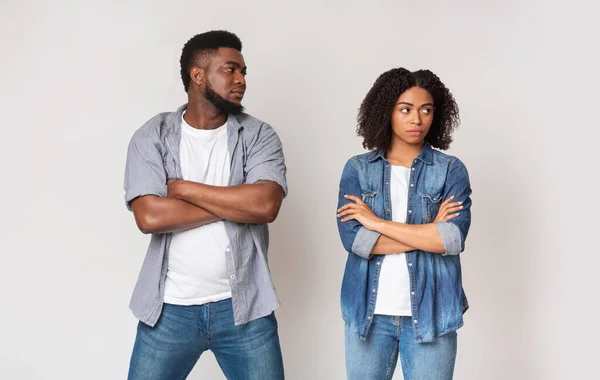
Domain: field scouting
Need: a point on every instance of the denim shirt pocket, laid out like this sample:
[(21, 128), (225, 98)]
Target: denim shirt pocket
[(430, 205), (368, 196)]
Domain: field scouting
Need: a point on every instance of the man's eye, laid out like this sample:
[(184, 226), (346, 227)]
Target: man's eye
[(229, 69)]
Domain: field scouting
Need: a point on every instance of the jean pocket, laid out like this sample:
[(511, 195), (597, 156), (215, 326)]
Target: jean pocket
[(368, 196), (431, 204)]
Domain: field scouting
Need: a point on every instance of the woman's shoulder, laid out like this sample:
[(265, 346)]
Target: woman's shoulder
[(443, 158), (366, 157)]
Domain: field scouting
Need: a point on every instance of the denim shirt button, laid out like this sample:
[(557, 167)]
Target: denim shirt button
[(410, 264), (410, 211), (369, 317), (415, 321), (387, 209)]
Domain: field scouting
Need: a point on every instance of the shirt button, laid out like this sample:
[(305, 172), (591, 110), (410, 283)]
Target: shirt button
[(379, 263), (412, 184), (414, 321), (413, 168), (387, 183), (369, 317), (410, 264), (413, 293), (387, 209), (373, 290), (410, 211), (232, 276), (228, 249)]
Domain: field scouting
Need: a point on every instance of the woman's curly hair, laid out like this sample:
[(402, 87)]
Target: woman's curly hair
[(375, 113)]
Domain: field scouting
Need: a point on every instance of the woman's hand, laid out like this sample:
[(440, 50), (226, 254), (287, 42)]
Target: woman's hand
[(360, 212), (448, 210)]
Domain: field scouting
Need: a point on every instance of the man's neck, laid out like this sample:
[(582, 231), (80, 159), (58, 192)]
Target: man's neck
[(201, 114)]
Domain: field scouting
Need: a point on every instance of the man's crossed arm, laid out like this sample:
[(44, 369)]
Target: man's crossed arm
[(190, 205)]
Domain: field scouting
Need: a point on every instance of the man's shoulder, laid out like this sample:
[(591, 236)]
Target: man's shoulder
[(252, 124), (154, 128)]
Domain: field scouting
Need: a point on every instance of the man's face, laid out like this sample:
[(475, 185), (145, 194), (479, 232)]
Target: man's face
[(225, 80)]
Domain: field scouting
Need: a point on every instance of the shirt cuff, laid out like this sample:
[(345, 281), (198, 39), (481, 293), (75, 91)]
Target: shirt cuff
[(273, 177), (364, 242), (451, 237), (136, 193)]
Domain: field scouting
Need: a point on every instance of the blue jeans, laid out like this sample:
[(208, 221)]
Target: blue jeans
[(376, 358), (170, 349)]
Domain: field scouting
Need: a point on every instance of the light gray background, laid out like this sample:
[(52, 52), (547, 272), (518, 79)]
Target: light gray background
[(78, 78)]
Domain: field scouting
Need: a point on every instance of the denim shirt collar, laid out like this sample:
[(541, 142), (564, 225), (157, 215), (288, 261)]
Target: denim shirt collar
[(426, 155)]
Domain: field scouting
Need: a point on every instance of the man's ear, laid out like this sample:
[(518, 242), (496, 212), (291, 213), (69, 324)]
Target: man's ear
[(198, 75)]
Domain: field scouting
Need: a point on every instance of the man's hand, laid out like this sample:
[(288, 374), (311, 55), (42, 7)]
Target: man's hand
[(448, 210), (360, 212)]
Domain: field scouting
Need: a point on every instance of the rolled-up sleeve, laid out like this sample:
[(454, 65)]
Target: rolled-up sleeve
[(454, 231), (265, 160), (355, 238), (144, 170)]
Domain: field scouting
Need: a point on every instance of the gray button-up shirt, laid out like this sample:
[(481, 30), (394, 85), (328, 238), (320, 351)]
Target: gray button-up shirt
[(153, 158)]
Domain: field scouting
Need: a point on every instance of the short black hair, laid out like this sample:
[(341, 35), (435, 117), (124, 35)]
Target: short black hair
[(375, 113), (201, 46)]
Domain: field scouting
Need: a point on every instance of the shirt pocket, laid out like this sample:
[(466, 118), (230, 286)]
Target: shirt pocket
[(368, 196), (430, 205)]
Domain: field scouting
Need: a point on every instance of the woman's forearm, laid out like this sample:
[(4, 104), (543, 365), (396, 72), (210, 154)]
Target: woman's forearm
[(386, 246), (425, 237)]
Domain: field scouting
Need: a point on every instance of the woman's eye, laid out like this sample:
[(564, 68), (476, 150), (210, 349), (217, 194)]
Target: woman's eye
[(426, 111), (404, 110)]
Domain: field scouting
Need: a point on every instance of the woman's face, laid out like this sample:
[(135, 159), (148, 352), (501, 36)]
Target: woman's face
[(412, 116)]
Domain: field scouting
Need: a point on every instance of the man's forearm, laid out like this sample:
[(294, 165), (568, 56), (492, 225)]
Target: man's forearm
[(425, 237), (249, 203), (386, 245), (158, 215)]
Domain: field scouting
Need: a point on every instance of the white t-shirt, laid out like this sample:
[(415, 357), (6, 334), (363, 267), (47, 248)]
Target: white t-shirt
[(197, 271), (393, 295)]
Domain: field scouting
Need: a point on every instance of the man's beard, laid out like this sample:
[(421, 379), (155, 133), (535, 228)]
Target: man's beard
[(221, 103)]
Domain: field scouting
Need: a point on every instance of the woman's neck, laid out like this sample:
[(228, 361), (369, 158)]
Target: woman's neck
[(400, 153)]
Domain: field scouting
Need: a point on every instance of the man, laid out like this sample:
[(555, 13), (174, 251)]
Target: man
[(204, 181)]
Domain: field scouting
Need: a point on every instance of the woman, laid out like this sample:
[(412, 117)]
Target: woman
[(403, 216)]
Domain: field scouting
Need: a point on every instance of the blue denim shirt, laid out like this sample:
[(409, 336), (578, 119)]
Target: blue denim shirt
[(437, 297)]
